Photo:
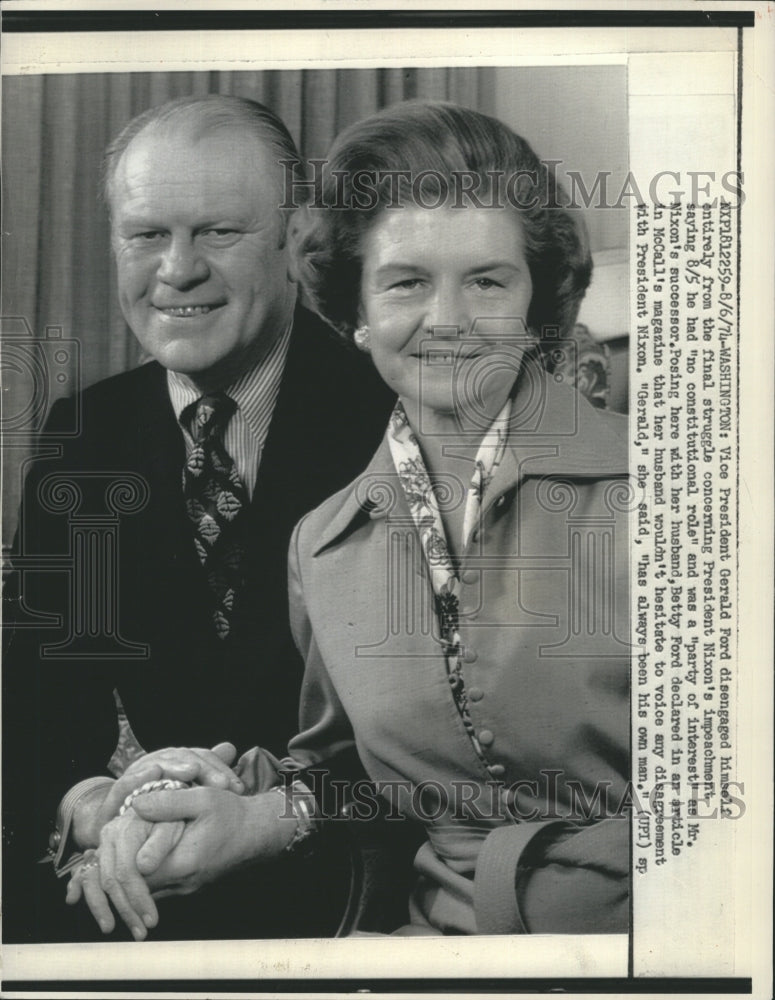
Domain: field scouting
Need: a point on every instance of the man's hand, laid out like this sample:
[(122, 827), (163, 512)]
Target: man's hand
[(223, 831)]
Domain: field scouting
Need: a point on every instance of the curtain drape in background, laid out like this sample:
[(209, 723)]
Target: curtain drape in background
[(58, 281)]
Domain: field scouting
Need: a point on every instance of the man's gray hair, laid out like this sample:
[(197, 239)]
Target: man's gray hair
[(202, 115)]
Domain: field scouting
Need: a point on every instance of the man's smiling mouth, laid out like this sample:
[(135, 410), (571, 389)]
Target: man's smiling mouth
[(187, 311)]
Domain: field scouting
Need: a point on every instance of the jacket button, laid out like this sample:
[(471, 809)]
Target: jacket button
[(497, 770), (475, 694), (470, 576), (486, 738), (470, 655)]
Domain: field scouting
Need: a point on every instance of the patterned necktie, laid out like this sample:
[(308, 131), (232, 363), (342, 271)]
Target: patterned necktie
[(215, 496)]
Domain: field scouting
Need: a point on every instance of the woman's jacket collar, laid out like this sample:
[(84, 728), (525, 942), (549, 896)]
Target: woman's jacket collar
[(554, 432)]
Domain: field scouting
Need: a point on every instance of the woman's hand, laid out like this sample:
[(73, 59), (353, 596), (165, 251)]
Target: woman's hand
[(204, 767), (197, 765), (173, 843), (111, 874)]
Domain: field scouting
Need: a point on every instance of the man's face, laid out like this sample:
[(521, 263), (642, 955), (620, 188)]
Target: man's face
[(202, 271)]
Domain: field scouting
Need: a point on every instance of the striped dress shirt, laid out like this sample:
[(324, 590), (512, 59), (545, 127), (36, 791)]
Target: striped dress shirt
[(255, 394)]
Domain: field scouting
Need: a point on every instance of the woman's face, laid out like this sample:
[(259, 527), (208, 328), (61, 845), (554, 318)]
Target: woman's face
[(445, 293)]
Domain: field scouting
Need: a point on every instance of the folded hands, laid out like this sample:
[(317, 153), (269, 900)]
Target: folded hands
[(171, 842)]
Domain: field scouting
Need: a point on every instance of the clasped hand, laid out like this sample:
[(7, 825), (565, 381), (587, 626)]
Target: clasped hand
[(164, 853)]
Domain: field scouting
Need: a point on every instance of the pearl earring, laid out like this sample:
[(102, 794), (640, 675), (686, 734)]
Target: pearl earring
[(361, 338)]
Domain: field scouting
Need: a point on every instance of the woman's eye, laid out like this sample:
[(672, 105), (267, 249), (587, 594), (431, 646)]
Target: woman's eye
[(486, 283)]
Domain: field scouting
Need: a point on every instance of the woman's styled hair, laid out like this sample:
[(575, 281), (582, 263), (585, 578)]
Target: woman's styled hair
[(430, 154)]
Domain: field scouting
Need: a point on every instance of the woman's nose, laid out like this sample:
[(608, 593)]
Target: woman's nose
[(448, 314), (182, 263)]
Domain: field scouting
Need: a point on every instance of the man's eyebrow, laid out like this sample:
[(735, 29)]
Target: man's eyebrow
[(133, 221), (226, 220)]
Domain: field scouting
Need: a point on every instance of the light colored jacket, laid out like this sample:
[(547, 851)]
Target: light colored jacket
[(544, 616)]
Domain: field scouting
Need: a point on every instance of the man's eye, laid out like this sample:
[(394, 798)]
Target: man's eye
[(407, 284), (219, 234), (486, 283), (149, 236)]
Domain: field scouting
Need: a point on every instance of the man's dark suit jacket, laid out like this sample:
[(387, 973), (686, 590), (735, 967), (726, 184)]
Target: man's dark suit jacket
[(191, 689)]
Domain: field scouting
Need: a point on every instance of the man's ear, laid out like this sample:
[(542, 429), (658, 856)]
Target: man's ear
[(293, 233)]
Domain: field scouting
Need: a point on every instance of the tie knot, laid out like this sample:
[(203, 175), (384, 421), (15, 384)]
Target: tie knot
[(209, 415)]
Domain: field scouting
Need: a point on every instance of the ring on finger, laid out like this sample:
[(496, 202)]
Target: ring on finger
[(89, 862)]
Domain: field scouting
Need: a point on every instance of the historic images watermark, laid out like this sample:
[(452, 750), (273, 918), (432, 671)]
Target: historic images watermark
[(91, 504), (554, 796), (364, 190)]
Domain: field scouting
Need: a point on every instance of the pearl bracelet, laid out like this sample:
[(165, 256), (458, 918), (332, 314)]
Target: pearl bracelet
[(163, 784)]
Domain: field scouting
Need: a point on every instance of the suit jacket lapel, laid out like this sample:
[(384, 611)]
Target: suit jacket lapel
[(312, 438), (279, 468)]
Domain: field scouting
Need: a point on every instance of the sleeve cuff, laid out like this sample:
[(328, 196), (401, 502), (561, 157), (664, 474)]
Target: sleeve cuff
[(61, 840), (495, 880), (260, 771)]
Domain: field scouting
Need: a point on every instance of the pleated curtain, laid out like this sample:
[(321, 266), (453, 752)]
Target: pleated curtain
[(58, 279)]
